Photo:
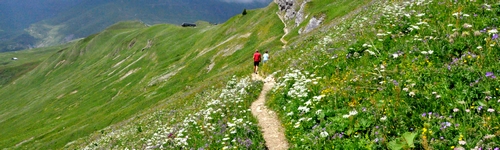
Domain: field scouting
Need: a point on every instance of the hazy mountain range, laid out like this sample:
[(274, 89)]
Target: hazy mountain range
[(37, 23)]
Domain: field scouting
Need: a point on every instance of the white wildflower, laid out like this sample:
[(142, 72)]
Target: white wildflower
[(461, 142), (324, 134), (308, 103), (304, 109), (455, 110), (423, 22), (395, 55), (405, 89), (493, 31), (489, 136), (289, 114), (411, 94), (438, 96), (346, 116), (318, 112), (297, 125), (383, 118), (420, 15), (352, 113), (479, 47), (491, 110), (450, 25), (466, 25), (371, 52)]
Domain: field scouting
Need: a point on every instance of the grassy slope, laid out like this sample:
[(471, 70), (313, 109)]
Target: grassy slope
[(354, 100), (84, 88), (27, 60), (160, 128), (401, 96)]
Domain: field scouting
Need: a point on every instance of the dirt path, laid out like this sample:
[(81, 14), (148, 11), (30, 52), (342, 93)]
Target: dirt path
[(271, 127), (285, 29)]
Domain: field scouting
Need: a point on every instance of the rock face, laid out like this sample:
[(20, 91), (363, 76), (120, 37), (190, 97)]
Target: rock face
[(313, 24), (287, 7), (300, 14)]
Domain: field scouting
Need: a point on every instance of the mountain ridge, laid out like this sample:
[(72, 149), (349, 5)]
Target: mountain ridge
[(80, 18)]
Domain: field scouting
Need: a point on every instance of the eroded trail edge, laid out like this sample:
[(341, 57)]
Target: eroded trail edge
[(269, 123)]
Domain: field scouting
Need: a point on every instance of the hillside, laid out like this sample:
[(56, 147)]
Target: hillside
[(38, 23), (126, 69), (349, 75)]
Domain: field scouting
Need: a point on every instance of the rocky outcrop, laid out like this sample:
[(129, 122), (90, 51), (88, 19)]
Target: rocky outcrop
[(299, 17), (313, 24), (287, 7)]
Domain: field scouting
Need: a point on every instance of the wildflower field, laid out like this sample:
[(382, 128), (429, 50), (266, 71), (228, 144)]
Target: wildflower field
[(414, 74), (220, 118), (417, 74)]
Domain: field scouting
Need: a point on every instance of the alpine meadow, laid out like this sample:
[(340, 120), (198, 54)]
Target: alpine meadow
[(345, 74)]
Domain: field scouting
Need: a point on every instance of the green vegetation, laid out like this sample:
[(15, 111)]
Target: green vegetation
[(408, 75), (126, 70), (62, 21), (27, 60), (244, 12), (376, 75)]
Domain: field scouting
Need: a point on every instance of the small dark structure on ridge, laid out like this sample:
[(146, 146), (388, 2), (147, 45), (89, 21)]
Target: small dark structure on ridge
[(188, 25)]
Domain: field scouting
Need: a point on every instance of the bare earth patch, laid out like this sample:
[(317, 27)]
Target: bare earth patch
[(269, 123)]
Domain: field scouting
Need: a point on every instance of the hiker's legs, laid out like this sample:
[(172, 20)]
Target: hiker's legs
[(255, 66)]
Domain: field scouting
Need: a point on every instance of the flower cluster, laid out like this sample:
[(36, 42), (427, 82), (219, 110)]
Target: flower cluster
[(221, 121)]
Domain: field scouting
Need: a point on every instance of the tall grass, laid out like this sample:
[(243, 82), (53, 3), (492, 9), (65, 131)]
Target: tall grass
[(399, 75)]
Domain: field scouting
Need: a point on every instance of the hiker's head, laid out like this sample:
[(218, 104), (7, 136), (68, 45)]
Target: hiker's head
[(256, 51), (267, 51)]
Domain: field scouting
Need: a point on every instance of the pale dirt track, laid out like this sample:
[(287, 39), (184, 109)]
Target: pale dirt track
[(269, 123)]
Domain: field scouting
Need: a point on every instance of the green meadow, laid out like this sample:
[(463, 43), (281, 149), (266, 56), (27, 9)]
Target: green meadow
[(375, 75)]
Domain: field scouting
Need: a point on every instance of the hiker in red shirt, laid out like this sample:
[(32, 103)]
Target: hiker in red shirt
[(256, 61)]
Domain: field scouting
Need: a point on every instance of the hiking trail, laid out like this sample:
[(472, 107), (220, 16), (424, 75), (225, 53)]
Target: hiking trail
[(269, 123), (285, 29)]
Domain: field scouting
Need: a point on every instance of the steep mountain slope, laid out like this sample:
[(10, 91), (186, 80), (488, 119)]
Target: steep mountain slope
[(353, 75), (396, 75), (128, 68), (55, 22)]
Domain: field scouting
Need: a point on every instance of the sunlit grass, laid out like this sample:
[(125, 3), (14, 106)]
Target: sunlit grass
[(398, 75)]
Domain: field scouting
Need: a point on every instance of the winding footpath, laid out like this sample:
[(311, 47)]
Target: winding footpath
[(269, 123), (285, 29)]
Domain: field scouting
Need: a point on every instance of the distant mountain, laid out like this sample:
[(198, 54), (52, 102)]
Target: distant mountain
[(34, 23)]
